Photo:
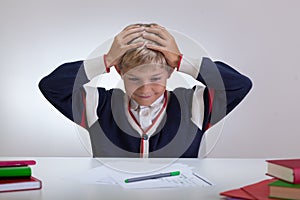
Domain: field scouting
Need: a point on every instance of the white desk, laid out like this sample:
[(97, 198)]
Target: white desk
[(55, 173)]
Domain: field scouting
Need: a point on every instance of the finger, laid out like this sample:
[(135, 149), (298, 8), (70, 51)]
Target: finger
[(162, 28), (162, 32), (132, 36), (154, 38), (133, 46), (122, 35), (156, 48), (133, 30), (161, 49), (132, 26)]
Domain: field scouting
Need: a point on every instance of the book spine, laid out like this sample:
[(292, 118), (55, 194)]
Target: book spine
[(6, 172), (297, 175), (17, 163)]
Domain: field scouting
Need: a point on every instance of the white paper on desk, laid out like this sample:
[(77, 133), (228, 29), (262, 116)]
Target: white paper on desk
[(106, 175), (98, 175)]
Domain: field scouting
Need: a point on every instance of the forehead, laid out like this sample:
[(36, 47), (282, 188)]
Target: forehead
[(147, 69)]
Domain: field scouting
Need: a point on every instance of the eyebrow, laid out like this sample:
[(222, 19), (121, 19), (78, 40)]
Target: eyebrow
[(133, 75), (156, 74)]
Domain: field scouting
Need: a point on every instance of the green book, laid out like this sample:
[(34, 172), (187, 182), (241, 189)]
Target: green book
[(23, 171), (284, 190)]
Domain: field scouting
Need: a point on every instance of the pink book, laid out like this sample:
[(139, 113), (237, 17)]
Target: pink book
[(285, 169), (15, 163)]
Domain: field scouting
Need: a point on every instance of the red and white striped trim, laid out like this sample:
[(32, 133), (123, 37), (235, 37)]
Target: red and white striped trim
[(144, 145)]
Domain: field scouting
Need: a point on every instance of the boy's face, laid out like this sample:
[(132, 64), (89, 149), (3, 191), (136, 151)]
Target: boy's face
[(145, 83)]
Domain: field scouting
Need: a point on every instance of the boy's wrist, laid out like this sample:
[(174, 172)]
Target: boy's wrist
[(94, 67), (189, 65)]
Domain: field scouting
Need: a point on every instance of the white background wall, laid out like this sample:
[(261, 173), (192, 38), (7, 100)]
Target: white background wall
[(259, 38)]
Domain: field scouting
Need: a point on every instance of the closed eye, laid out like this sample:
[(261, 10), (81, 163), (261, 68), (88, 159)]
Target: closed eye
[(155, 79), (133, 79)]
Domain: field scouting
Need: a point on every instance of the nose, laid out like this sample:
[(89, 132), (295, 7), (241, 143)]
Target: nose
[(145, 88)]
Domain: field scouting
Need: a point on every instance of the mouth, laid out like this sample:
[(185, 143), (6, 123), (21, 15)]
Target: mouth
[(144, 96)]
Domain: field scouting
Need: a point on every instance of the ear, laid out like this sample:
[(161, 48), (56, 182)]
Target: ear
[(170, 72)]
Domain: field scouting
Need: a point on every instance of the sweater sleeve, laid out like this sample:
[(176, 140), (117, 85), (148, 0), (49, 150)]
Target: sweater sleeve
[(225, 89), (65, 89)]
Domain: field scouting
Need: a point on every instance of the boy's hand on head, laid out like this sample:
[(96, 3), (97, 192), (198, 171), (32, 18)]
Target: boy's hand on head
[(120, 44), (168, 44)]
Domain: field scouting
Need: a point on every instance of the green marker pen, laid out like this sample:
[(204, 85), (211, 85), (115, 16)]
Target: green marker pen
[(154, 176)]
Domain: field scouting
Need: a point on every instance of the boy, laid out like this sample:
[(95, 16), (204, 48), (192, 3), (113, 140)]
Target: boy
[(146, 120)]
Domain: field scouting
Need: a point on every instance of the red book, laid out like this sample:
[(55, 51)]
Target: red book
[(19, 184), (260, 190), (256, 191), (285, 169), (237, 193)]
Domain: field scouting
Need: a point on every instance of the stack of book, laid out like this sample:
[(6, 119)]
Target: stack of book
[(284, 184), (17, 175), (288, 174)]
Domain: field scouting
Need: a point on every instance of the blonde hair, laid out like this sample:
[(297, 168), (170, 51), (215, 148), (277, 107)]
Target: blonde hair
[(142, 55)]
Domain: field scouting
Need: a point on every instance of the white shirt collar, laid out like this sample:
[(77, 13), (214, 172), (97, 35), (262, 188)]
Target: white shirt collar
[(134, 105), (146, 114)]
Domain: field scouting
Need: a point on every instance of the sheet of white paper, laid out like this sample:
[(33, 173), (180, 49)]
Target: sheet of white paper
[(107, 175), (98, 175)]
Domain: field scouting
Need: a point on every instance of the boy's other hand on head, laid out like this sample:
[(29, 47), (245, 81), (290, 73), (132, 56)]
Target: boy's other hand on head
[(120, 44), (168, 46)]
